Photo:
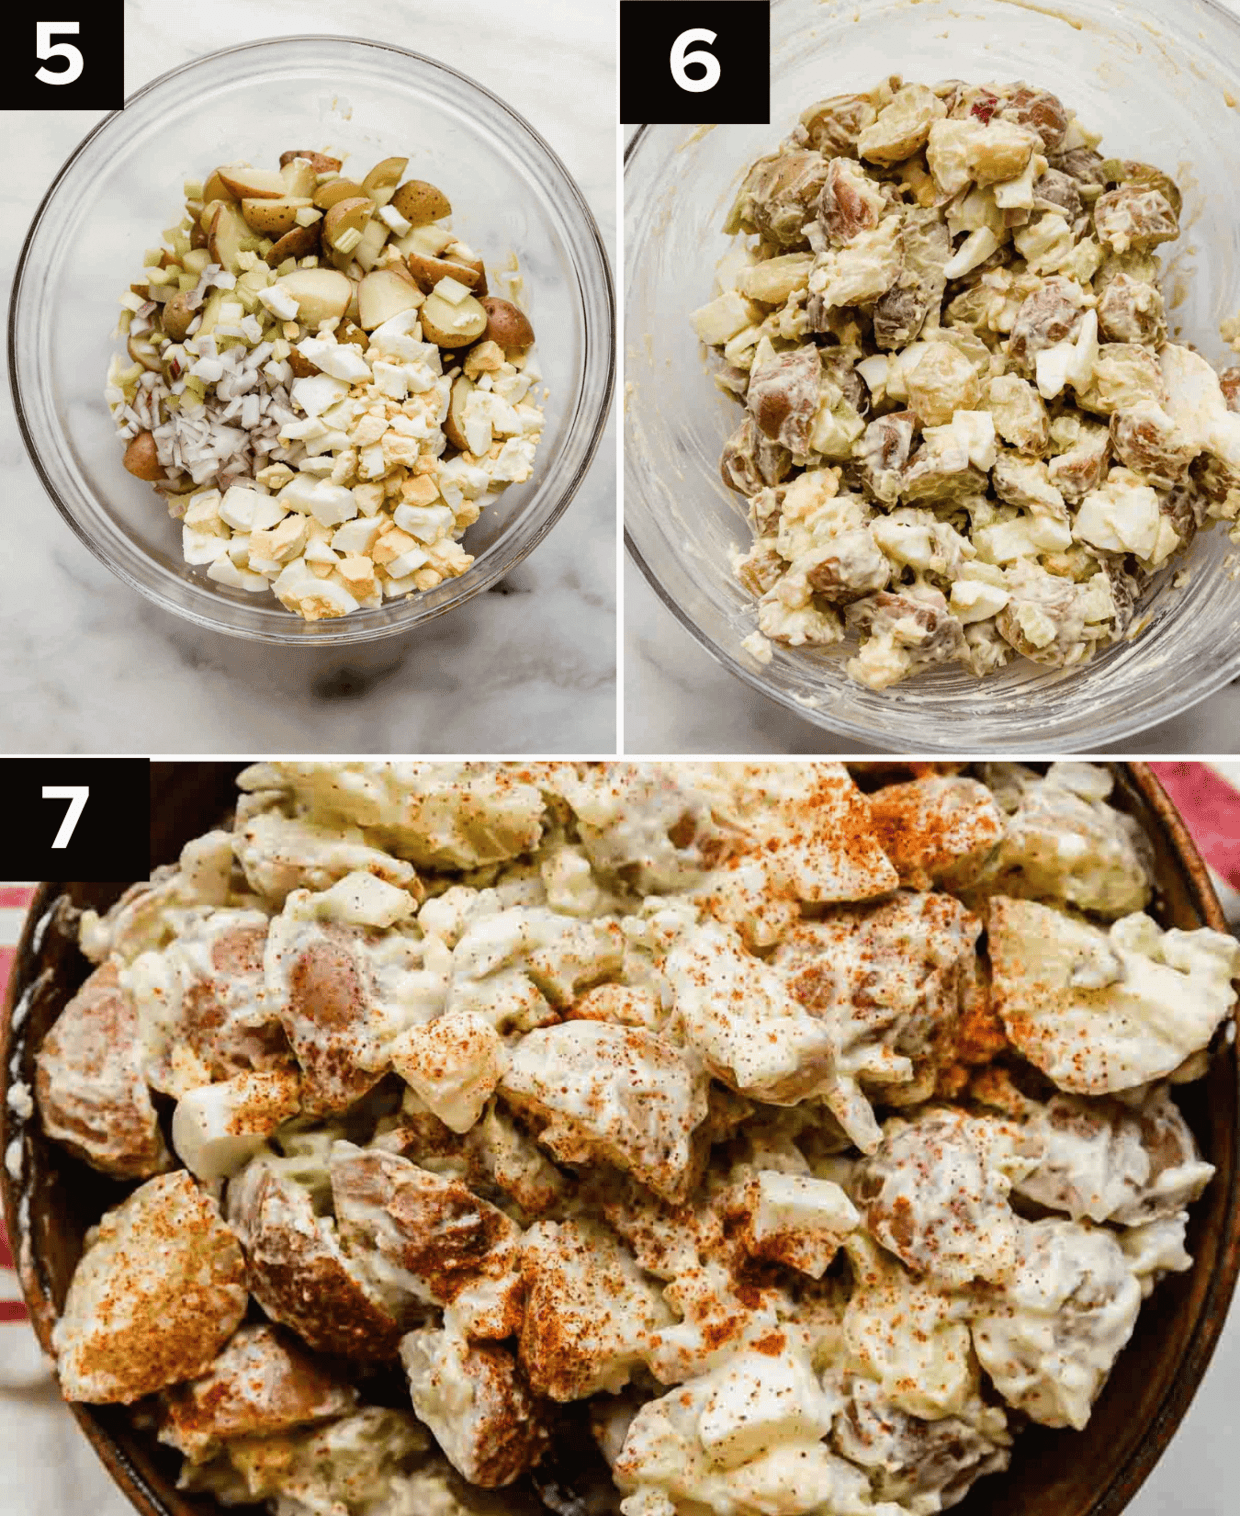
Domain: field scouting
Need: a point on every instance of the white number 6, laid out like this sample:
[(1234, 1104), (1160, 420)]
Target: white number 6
[(44, 47), (681, 59), (77, 795)]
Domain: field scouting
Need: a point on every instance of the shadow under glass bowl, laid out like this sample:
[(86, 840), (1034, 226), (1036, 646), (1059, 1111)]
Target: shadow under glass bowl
[(50, 1198), (1160, 80), (122, 185)]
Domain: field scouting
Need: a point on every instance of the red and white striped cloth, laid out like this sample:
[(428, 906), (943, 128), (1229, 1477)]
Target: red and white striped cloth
[(1208, 797)]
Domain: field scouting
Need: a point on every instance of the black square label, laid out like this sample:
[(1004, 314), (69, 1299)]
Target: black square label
[(684, 61), (68, 57), (76, 818)]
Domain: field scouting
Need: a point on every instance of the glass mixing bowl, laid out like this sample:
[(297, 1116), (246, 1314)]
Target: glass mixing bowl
[(1161, 80), (510, 194)]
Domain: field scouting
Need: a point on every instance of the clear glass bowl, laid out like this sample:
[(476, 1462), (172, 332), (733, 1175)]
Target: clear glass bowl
[(510, 194), (1161, 80)]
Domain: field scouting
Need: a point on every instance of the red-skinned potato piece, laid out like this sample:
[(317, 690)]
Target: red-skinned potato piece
[(224, 237), (141, 459), (272, 218), (245, 183), (506, 324), (382, 294), (215, 189), (461, 1250), (321, 163), (178, 314), (142, 350), (89, 1079), (301, 366), (263, 1382), (299, 242), (348, 332), (380, 183), (329, 994), (299, 177), (420, 203), (346, 216), (451, 324), (299, 1273), (335, 190), (454, 421), (322, 294)]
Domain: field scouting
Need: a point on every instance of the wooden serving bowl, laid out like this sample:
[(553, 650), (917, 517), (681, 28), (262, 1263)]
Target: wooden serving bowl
[(1091, 1473)]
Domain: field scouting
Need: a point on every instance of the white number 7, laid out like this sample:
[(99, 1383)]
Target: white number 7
[(77, 795), (44, 47)]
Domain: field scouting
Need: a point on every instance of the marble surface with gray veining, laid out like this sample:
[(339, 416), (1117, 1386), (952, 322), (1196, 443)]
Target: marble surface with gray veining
[(90, 666)]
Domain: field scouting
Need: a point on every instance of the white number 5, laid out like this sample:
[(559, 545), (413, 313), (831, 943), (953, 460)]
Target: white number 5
[(77, 795), (681, 59), (46, 48)]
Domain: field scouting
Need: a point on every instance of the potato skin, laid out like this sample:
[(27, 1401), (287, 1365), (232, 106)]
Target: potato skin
[(301, 366), (452, 428), (224, 237), (348, 332), (257, 186), (335, 190), (215, 188), (506, 324), (319, 162), (401, 270), (444, 335), (297, 242), (178, 315), (383, 176), (344, 214), (428, 271), (269, 218), (141, 459), (420, 203)]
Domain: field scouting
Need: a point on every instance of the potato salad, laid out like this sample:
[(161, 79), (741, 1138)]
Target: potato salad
[(968, 434), (319, 385), (656, 1138)]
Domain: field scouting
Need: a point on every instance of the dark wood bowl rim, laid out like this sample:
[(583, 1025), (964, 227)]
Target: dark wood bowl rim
[(1109, 1502)]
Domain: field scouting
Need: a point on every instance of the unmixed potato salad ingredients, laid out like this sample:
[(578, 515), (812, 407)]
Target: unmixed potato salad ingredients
[(967, 433), (798, 1134), (320, 385)]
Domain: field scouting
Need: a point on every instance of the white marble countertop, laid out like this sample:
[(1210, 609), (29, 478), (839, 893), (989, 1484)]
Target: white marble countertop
[(91, 666)]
